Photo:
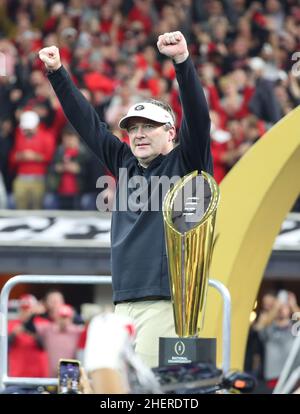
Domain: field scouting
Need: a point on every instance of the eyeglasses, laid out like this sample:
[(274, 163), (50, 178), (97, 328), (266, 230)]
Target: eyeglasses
[(147, 128)]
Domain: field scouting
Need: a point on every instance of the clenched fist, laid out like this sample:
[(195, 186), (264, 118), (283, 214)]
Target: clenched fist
[(51, 58), (173, 45)]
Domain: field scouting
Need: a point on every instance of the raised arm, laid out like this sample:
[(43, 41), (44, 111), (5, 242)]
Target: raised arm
[(82, 115), (194, 134)]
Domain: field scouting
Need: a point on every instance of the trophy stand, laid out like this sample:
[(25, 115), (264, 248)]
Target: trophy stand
[(174, 351), (189, 211)]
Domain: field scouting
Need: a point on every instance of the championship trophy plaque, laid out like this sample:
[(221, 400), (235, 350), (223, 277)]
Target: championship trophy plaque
[(189, 211)]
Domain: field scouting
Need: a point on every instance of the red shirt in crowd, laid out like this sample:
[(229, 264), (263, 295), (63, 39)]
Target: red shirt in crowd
[(68, 183), (25, 357), (42, 143), (218, 150)]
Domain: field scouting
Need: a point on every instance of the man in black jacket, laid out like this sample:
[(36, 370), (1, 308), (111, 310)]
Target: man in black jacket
[(139, 264)]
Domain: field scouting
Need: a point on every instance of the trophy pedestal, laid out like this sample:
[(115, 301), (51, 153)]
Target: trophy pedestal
[(174, 351)]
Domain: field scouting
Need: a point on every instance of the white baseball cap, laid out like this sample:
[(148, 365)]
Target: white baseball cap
[(257, 63), (29, 120), (147, 110)]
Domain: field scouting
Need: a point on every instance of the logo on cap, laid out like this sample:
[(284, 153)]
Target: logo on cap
[(139, 107)]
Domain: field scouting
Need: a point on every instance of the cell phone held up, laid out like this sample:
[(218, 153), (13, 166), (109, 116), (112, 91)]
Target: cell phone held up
[(68, 376)]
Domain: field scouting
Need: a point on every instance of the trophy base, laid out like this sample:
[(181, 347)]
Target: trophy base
[(174, 351)]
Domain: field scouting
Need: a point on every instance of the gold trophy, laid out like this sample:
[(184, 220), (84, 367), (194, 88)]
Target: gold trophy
[(189, 211)]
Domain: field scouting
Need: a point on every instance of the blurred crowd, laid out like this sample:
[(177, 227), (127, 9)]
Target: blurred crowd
[(40, 332), (45, 335), (243, 51), (271, 337)]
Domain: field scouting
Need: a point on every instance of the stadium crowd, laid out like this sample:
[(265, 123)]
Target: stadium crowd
[(41, 332), (244, 52)]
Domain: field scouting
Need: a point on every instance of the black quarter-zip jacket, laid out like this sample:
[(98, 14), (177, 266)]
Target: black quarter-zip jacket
[(138, 253)]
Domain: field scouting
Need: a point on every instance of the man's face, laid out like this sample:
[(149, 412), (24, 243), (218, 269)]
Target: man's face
[(53, 301), (26, 312), (148, 139), (70, 141), (29, 132)]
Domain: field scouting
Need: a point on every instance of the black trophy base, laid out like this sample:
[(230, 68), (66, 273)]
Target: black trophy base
[(174, 351)]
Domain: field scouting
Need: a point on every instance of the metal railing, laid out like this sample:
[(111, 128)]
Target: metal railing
[(82, 279), (226, 332), (85, 279), (288, 378)]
